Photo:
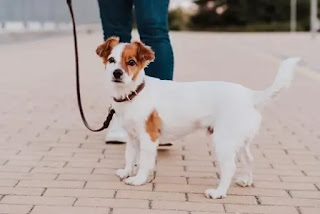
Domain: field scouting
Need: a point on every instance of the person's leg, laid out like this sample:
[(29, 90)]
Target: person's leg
[(116, 18), (152, 21)]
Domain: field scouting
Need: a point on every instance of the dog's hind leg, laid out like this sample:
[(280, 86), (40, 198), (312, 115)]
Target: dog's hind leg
[(245, 155), (225, 151), (246, 158)]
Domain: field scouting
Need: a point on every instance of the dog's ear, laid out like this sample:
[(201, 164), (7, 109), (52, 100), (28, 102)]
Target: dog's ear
[(144, 52), (105, 48)]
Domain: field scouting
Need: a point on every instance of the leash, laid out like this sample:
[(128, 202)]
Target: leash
[(111, 111)]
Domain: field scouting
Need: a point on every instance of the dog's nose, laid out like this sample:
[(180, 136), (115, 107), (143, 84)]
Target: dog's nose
[(117, 73)]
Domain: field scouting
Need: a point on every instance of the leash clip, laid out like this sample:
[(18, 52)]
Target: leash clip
[(110, 108)]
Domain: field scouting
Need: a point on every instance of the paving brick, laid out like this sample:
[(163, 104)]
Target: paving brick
[(203, 181), (170, 180), (87, 177), (187, 206), (62, 170), (69, 210), (8, 183), (283, 172), (57, 184), (145, 211), (169, 168), (195, 212), (27, 176), (302, 179), (16, 209), (15, 169), (305, 194), (37, 200), (180, 188), (166, 162), (191, 157), (289, 201), (120, 203), (266, 177), (116, 185), (231, 199), (95, 193), (257, 192), (104, 171), (36, 163), (310, 210), (21, 191), (83, 164), (186, 174), (151, 195), (286, 186), (202, 169), (260, 209), (8, 152)]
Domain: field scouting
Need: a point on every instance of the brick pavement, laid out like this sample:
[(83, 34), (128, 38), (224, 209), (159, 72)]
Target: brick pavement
[(49, 163)]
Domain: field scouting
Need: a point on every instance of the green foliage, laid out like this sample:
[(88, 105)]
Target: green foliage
[(252, 15), (178, 20)]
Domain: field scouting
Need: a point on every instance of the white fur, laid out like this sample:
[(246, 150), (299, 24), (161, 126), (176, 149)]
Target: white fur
[(183, 108)]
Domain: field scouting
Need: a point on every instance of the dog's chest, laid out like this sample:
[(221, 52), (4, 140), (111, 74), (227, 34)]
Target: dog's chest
[(130, 122), (131, 127)]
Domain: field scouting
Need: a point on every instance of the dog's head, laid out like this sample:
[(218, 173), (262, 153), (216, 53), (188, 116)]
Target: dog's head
[(124, 61)]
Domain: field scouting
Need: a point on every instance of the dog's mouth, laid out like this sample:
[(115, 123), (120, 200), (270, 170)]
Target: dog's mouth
[(117, 81)]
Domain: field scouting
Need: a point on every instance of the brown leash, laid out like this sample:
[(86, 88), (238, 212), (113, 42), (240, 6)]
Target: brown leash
[(111, 111)]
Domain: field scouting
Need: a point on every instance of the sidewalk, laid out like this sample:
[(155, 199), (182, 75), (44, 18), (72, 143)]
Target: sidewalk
[(49, 163)]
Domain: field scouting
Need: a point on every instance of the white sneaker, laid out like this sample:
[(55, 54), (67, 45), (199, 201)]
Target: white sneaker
[(115, 132)]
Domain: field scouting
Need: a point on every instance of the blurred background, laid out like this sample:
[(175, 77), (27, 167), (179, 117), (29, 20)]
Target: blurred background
[(27, 20), (200, 15)]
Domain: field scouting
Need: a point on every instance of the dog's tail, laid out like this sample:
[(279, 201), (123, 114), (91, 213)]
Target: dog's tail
[(282, 80)]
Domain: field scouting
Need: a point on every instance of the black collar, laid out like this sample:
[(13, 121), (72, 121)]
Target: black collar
[(131, 95)]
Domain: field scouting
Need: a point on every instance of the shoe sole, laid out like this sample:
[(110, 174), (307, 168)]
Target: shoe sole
[(121, 142), (115, 142)]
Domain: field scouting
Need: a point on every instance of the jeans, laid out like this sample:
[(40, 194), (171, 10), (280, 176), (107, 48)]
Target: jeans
[(152, 23)]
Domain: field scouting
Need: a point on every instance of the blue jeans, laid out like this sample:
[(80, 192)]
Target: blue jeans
[(152, 23)]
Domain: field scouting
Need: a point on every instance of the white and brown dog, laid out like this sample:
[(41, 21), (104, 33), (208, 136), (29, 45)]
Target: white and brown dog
[(153, 110)]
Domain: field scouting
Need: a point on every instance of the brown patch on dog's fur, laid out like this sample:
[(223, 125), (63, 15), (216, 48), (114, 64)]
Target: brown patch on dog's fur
[(154, 125), (138, 52), (105, 49)]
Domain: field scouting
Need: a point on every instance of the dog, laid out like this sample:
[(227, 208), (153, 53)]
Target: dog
[(153, 110)]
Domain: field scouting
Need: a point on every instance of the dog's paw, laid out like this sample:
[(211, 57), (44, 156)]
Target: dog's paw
[(213, 193), (135, 181), (123, 173), (244, 181)]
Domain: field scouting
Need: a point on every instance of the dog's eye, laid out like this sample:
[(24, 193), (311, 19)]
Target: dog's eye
[(111, 60), (131, 62)]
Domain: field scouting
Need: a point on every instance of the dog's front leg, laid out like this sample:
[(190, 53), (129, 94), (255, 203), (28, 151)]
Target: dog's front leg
[(148, 154), (132, 151)]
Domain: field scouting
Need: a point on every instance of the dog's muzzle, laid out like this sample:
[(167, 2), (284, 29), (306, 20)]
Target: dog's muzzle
[(117, 74)]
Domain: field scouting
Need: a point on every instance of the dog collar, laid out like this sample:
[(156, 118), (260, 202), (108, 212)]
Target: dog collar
[(131, 95)]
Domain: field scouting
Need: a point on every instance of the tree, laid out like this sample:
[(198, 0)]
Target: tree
[(241, 14)]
